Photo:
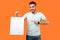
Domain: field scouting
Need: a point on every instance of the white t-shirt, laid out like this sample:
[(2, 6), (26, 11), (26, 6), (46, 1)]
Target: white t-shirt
[(33, 29)]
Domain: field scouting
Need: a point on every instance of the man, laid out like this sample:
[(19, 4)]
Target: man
[(34, 20)]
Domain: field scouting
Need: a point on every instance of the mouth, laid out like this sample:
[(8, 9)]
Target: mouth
[(32, 9)]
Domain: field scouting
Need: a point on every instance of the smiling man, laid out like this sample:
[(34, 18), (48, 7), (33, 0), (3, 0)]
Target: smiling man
[(34, 19)]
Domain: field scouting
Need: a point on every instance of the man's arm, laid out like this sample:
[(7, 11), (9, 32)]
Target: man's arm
[(44, 21), (17, 15)]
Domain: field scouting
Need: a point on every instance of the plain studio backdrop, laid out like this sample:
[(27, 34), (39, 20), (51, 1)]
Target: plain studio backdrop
[(50, 8)]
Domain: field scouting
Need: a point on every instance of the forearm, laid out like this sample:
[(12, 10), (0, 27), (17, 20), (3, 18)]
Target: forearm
[(44, 22)]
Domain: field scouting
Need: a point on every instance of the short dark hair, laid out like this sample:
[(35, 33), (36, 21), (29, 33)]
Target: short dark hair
[(32, 2)]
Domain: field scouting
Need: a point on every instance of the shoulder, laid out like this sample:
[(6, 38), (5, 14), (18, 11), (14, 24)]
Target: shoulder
[(39, 13), (27, 13)]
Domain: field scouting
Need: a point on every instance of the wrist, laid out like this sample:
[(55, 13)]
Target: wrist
[(38, 22)]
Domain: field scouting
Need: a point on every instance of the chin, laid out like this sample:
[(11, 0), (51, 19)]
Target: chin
[(32, 11)]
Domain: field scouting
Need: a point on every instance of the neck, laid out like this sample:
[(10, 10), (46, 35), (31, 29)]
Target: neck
[(33, 12)]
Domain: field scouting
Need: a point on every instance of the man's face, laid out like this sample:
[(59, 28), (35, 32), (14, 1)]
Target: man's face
[(32, 7)]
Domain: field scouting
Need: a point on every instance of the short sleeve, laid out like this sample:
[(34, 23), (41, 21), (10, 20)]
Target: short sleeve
[(43, 16), (25, 16)]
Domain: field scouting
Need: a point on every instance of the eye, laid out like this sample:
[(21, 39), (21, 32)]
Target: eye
[(32, 6)]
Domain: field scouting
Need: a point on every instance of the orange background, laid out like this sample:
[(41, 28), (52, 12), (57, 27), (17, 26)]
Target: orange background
[(50, 8)]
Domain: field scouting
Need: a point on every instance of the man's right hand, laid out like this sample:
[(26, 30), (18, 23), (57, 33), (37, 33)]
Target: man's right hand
[(17, 13)]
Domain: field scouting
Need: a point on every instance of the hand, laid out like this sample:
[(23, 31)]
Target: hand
[(36, 22), (17, 13)]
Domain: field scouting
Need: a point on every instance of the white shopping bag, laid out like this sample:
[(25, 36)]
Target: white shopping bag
[(16, 26)]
